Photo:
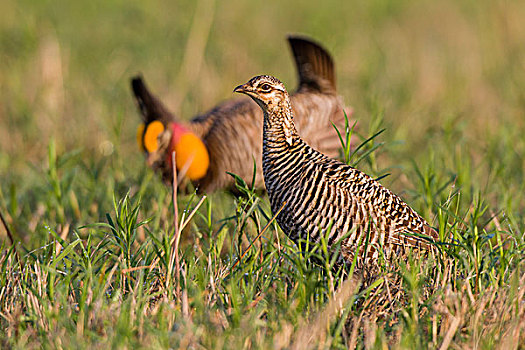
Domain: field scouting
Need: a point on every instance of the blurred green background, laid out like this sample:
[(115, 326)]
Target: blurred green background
[(441, 73)]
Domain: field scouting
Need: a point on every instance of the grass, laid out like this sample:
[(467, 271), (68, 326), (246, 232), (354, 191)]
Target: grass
[(94, 266)]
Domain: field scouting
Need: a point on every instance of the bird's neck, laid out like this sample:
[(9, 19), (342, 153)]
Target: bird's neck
[(280, 145), (177, 130), (279, 140), (279, 126)]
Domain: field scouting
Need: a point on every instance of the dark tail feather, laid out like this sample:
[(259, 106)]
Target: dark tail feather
[(150, 107), (314, 65)]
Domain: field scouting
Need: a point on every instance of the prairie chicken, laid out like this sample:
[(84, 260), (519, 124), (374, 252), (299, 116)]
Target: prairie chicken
[(316, 192), (228, 138)]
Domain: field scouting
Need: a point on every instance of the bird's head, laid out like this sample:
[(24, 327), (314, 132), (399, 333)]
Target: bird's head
[(267, 91), (158, 141), (271, 95)]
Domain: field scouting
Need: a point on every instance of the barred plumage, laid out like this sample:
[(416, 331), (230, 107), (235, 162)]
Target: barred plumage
[(232, 131), (318, 192)]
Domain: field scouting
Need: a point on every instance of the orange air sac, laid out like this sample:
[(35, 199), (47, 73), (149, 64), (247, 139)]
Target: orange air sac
[(191, 155)]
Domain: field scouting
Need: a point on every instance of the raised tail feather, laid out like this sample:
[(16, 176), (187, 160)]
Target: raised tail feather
[(150, 107), (314, 65)]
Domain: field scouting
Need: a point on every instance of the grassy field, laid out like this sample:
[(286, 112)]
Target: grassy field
[(94, 266)]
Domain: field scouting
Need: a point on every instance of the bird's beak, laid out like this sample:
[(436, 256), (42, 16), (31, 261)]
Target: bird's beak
[(242, 89)]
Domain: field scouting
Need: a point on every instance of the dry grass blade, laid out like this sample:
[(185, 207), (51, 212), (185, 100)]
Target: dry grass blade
[(182, 173), (182, 226), (174, 193), (11, 239), (7, 230), (456, 321), (185, 305), (258, 236), (355, 330), (315, 332), (176, 235), (186, 221), (64, 230)]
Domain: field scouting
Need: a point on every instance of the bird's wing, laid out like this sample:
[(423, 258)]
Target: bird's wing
[(407, 228)]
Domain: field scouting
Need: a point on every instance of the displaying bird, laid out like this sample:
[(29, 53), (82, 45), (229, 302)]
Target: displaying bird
[(315, 193), (228, 138)]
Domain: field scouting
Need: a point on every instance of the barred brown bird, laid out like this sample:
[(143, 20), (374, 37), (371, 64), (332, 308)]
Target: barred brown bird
[(316, 192), (228, 138)]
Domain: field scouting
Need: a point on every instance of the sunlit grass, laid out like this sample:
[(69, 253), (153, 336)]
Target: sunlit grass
[(94, 264)]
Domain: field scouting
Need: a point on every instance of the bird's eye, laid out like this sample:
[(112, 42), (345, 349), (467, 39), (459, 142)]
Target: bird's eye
[(265, 87)]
